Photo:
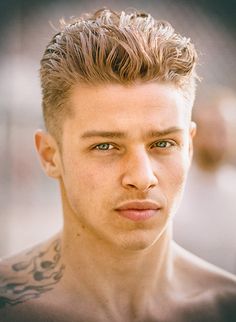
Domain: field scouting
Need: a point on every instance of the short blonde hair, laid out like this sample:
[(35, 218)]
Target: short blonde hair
[(110, 47)]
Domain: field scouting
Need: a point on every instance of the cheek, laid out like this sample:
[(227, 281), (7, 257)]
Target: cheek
[(85, 184), (176, 174), (177, 178)]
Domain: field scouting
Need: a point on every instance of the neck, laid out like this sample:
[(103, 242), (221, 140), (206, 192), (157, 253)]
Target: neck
[(132, 275)]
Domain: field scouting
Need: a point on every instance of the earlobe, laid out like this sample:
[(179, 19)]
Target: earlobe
[(48, 152)]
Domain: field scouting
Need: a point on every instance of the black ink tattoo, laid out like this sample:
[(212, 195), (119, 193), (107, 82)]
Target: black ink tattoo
[(37, 275)]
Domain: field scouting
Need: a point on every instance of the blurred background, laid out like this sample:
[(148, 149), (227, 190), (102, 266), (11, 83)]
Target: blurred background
[(30, 202)]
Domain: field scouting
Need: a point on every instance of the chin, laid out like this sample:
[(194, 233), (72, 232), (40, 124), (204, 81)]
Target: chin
[(138, 240)]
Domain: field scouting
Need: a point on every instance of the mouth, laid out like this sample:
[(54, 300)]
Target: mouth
[(138, 210)]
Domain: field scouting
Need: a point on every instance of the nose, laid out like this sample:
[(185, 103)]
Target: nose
[(139, 174)]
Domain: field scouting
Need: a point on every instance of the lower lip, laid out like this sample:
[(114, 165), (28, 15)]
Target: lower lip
[(137, 215)]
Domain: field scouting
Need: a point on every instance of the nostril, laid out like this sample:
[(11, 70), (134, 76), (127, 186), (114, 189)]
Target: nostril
[(141, 183)]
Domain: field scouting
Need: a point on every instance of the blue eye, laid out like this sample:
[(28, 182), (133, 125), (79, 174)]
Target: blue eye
[(104, 147), (162, 144)]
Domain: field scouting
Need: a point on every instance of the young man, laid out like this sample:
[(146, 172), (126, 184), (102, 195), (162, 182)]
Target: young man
[(117, 96)]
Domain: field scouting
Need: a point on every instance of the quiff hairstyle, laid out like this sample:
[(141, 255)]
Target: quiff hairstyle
[(110, 47)]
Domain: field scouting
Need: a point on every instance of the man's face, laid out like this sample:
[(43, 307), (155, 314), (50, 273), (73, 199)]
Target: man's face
[(125, 146)]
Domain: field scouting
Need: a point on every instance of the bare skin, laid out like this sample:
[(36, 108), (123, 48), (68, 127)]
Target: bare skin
[(196, 291), (111, 264)]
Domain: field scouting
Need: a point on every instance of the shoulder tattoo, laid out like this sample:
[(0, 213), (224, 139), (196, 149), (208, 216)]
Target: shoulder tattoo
[(35, 275)]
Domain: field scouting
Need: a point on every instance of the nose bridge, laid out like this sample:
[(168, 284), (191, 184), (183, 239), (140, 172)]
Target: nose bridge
[(139, 172)]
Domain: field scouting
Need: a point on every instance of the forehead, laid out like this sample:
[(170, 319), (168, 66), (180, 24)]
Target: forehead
[(127, 107)]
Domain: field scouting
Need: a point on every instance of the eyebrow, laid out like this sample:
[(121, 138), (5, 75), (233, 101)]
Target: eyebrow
[(121, 135), (103, 134), (170, 130)]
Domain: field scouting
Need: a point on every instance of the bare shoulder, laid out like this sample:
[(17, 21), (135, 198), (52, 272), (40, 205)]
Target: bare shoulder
[(210, 288), (28, 276)]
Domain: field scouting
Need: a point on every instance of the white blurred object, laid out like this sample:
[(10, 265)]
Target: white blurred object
[(205, 223)]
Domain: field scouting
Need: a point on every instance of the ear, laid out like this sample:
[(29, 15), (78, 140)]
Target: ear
[(48, 152), (192, 132)]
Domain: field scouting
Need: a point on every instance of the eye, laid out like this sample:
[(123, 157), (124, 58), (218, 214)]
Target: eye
[(162, 144), (104, 147)]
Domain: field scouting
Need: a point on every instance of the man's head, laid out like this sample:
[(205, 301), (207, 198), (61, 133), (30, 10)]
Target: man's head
[(118, 92), (108, 47)]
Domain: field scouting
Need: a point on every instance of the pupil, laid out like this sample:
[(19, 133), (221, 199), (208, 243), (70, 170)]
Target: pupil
[(104, 146)]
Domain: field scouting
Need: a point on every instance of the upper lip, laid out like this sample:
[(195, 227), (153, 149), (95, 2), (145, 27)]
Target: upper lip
[(139, 205)]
